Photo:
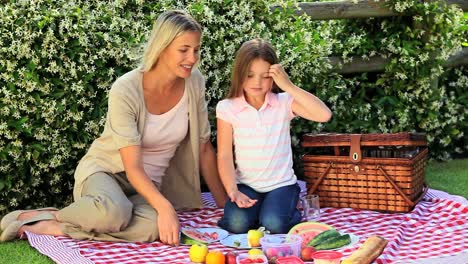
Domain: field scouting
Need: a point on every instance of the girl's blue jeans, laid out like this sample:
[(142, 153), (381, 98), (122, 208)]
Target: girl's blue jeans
[(275, 210)]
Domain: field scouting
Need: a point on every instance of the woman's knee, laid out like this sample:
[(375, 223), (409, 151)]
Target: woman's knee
[(144, 225), (109, 215)]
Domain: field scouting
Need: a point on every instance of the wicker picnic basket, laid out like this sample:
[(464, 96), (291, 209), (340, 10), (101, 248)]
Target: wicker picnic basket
[(381, 172)]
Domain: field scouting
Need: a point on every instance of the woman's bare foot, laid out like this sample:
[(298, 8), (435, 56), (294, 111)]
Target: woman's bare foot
[(45, 227)]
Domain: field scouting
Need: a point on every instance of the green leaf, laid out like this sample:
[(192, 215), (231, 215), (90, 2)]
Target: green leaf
[(38, 147), (380, 81), (18, 123), (455, 132)]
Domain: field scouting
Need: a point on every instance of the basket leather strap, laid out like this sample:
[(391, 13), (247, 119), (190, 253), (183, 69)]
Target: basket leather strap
[(397, 188), (319, 180), (355, 149)]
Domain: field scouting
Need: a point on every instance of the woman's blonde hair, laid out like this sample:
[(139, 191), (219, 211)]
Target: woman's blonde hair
[(248, 52), (166, 28)]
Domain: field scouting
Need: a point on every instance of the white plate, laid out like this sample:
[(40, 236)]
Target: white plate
[(221, 232), (230, 241)]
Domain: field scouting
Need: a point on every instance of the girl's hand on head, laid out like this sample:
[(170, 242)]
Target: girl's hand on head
[(242, 200), (280, 77)]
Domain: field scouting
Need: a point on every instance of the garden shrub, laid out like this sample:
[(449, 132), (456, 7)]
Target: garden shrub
[(59, 58), (407, 96), (57, 61)]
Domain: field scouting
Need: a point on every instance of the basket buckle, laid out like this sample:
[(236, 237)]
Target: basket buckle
[(356, 168)]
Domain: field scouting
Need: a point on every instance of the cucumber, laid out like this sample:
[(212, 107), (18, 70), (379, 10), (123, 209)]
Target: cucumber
[(323, 236), (334, 242)]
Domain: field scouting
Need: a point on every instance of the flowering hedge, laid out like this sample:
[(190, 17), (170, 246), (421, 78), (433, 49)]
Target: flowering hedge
[(59, 58)]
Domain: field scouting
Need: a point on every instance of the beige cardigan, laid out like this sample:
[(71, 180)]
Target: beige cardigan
[(124, 127)]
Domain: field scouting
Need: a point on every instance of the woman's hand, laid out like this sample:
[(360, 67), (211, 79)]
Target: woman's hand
[(280, 77), (242, 200), (168, 225)]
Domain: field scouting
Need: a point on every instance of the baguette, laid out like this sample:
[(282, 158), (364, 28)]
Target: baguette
[(367, 252)]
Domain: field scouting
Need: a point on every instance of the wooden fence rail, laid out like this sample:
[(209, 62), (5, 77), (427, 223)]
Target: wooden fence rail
[(364, 9), (359, 9), (377, 63)]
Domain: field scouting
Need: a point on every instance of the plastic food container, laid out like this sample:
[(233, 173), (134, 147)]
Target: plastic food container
[(289, 260), (275, 246), (327, 257), (246, 258)]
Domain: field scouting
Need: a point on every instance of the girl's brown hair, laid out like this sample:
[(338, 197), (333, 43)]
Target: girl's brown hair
[(248, 52)]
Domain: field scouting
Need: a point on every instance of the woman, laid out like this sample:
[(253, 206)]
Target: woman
[(147, 161)]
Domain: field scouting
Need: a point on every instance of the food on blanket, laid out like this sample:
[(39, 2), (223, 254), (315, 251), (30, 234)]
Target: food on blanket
[(306, 253), (185, 240), (334, 242), (289, 260), (254, 235), (252, 260), (230, 258), (308, 230), (237, 243), (255, 251), (215, 257), (322, 237), (271, 252), (246, 258), (205, 237), (327, 257), (274, 252), (280, 245), (198, 252), (367, 252)]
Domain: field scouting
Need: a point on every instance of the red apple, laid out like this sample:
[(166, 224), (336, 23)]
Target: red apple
[(230, 258), (306, 253)]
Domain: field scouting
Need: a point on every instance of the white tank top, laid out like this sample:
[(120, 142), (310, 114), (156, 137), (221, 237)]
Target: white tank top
[(161, 137)]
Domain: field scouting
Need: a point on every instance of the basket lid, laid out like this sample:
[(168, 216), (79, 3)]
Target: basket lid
[(373, 139)]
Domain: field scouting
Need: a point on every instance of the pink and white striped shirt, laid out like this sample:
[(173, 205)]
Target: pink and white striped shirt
[(262, 140)]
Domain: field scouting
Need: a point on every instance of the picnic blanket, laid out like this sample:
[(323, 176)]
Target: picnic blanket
[(435, 230)]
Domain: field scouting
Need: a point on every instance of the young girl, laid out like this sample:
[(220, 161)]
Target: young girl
[(255, 119)]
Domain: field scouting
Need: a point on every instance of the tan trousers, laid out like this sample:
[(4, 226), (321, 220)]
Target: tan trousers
[(110, 210)]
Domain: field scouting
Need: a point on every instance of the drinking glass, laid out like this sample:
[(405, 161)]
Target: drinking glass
[(310, 207)]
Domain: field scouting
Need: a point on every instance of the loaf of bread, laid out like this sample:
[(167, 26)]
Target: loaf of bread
[(367, 252)]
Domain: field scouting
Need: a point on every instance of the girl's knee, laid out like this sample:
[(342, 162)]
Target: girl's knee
[(275, 224), (235, 224)]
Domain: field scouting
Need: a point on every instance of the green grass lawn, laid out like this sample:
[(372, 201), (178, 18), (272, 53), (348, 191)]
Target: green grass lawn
[(451, 177), (21, 252)]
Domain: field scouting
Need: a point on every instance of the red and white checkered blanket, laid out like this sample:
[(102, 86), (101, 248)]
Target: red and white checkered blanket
[(437, 227)]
